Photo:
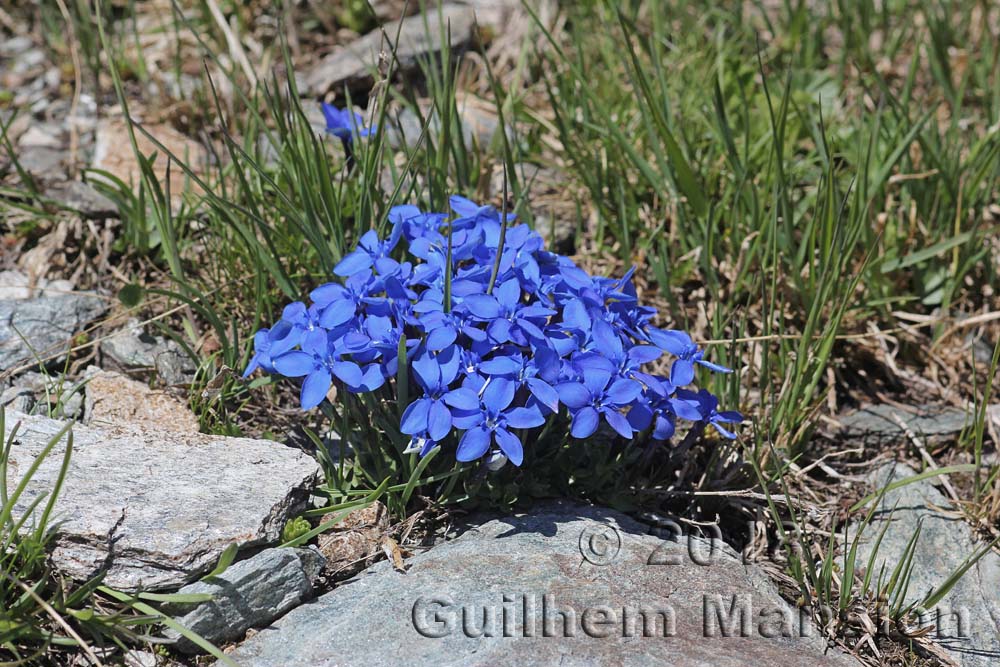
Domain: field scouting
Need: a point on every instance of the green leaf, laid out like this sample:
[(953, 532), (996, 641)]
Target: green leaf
[(225, 560), (131, 295), (926, 253)]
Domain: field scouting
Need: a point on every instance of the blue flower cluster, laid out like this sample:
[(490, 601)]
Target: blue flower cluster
[(497, 333)]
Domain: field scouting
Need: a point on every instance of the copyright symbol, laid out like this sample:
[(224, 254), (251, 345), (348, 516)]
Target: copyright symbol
[(599, 545)]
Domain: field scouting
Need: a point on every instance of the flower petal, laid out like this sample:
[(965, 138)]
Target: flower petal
[(623, 391), (473, 444), (544, 392), (355, 262), (682, 373), (438, 420), (510, 445), (349, 372), (525, 417), (415, 417), (295, 364), (482, 306), (618, 422), (314, 388), (584, 423), (462, 398), (499, 393), (574, 395)]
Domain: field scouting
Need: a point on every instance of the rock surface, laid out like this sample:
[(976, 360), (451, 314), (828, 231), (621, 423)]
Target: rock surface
[(83, 199), (166, 504), (967, 621), (132, 347), (43, 326), (249, 594), (113, 153), (113, 398), (477, 119), (386, 617), (880, 424), (353, 65)]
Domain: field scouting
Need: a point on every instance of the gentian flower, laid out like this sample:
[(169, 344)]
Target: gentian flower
[(491, 419), (342, 123), (600, 393), (261, 354), (319, 365), (688, 354), (430, 414), (708, 408), (371, 252), (549, 336)]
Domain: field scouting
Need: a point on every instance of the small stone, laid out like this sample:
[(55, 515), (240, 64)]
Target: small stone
[(113, 398), (249, 594), (355, 539), (17, 399), (419, 35), (487, 598), (174, 367), (496, 14), (157, 508), (83, 199), (15, 285), (479, 124), (28, 60)]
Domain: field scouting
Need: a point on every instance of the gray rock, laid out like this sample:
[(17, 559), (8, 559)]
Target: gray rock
[(132, 347), (35, 393), (249, 594), (966, 623), (140, 659), (43, 326), (478, 127), (419, 35), (879, 424), (174, 367), (495, 14), (158, 508), (414, 618), (83, 199), (17, 399), (45, 135), (43, 164), (13, 46)]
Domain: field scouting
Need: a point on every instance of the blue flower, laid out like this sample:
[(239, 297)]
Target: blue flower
[(434, 371), (708, 408), (261, 354), (681, 346), (484, 365), (371, 252), (600, 393), (319, 366), (490, 418), (342, 123)]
